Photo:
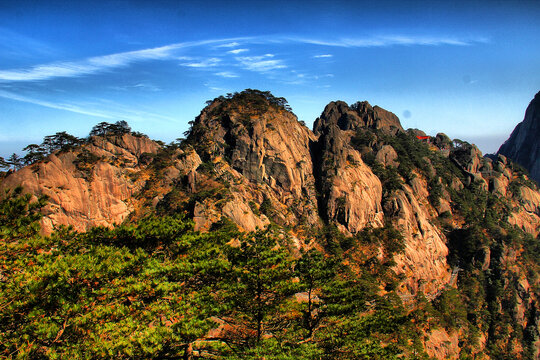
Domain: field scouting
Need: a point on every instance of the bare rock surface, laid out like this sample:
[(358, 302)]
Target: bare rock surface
[(424, 260), (264, 143), (350, 192), (86, 195), (251, 161)]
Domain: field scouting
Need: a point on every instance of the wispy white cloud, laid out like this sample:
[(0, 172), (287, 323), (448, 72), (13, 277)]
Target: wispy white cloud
[(116, 112), (88, 66), (391, 40), (262, 63), (229, 45), (323, 56), (98, 64), (300, 78), (206, 63), (58, 106), (13, 45), (237, 51), (147, 87), (140, 86), (227, 74)]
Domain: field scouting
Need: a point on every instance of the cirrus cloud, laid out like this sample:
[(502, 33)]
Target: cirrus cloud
[(263, 63), (98, 64)]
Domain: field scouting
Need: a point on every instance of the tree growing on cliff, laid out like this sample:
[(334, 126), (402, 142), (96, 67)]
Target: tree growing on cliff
[(104, 128), (34, 153), (15, 161), (314, 272), (3, 163), (60, 141)]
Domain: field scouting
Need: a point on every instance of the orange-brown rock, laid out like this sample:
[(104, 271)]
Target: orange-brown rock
[(264, 143), (86, 195), (350, 192)]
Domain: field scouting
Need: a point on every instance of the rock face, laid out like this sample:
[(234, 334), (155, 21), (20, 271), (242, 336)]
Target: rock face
[(523, 146), (248, 159), (424, 259), (85, 194), (358, 115), (264, 144), (350, 192)]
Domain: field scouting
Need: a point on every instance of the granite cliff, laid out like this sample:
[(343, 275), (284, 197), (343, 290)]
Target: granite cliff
[(88, 186)]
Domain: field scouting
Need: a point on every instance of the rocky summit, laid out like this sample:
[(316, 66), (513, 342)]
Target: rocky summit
[(523, 146), (458, 231)]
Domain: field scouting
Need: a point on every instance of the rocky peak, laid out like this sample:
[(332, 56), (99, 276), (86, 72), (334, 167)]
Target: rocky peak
[(261, 139), (340, 114), (350, 194), (523, 146), (358, 115), (377, 118)]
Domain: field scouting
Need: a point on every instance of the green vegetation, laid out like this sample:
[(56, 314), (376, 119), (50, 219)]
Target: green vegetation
[(19, 216), (158, 289), (255, 99), (480, 241), (104, 129), (487, 293)]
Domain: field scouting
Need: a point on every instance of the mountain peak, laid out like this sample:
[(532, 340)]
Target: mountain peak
[(359, 115), (523, 146)]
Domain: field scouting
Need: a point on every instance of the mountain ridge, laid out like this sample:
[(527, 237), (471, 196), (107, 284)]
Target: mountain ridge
[(247, 159), (523, 145)]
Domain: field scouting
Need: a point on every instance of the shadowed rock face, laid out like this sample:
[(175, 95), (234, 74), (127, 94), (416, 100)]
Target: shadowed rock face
[(523, 146), (350, 194)]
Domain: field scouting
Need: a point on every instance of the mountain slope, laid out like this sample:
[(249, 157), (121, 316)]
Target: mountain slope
[(451, 225)]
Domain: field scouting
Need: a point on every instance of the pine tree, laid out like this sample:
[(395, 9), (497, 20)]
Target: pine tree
[(314, 272), (15, 161), (260, 283)]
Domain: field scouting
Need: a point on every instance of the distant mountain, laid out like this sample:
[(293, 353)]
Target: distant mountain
[(523, 146)]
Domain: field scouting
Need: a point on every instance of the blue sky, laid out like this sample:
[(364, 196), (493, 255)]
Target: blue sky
[(468, 69)]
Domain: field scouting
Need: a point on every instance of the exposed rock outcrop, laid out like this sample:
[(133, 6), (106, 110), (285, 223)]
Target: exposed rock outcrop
[(424, 259), (265, 144), (350, 192), (85, 193), (523, 146), (358, 115)]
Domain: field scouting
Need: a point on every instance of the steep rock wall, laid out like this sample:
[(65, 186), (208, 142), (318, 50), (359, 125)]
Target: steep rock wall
[(350, 192), (87, 194)]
